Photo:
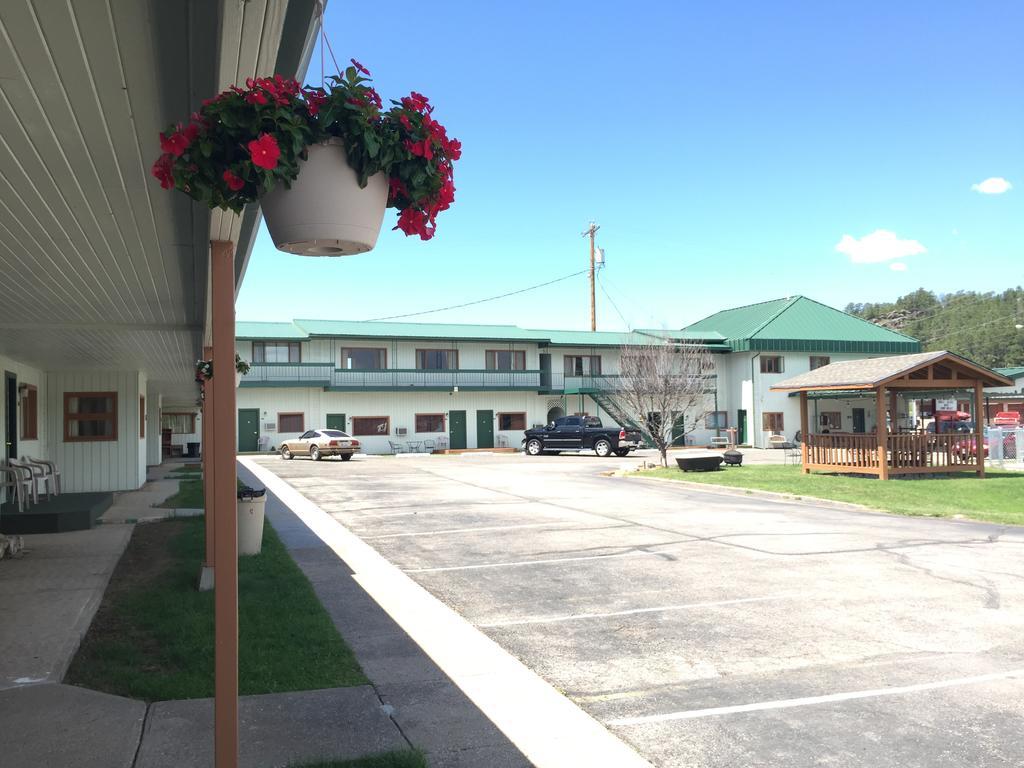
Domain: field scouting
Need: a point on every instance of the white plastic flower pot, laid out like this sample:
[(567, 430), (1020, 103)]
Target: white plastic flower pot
[(250, 521), (326, 213), (238, 379)]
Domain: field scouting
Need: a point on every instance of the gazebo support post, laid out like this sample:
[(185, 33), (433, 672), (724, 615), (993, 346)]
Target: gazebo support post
[(979, 429), (209, 451), (881, 431), (803, 433)]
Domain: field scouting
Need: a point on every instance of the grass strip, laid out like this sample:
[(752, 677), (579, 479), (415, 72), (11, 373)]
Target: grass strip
[(152, 637), (996, 498)]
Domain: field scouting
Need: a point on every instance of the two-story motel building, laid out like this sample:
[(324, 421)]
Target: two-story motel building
[(480, 386)]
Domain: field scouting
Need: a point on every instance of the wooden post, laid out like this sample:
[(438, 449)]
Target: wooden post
[(882, 433), (979, 429), (804, 432), (225, 591), (208, 451), (893, 404)]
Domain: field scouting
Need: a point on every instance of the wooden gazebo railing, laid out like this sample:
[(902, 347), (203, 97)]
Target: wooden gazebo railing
[(905, 454), (886, 452)]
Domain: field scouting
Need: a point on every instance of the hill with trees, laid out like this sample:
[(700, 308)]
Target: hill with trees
[(985, 327)]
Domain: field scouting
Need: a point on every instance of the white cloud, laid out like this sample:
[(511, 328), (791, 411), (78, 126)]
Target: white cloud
[(881, 245), (898, 266), (995, 185)]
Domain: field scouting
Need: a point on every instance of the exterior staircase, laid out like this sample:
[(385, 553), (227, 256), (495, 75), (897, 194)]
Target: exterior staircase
[(610, 405)]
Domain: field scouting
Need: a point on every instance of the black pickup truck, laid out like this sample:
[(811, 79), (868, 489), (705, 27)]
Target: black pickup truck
[(580, 433)]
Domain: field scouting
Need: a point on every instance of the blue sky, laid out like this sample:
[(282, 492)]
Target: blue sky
[(725, 148)]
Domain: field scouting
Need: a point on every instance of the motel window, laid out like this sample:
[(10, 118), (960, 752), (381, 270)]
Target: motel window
[(831, 420), (367, 426), (512, 421), (506, 360), (437, 359), (716, 420), (582, 365), (29, 413), (771, 422), (364, 359), (291, 422), (771, 363), (142, 416), (178, 423), (276, 352), (90, 417), (430, 422), (819, 361)]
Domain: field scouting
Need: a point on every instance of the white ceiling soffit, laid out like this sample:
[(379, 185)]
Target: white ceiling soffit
[(99, 267)]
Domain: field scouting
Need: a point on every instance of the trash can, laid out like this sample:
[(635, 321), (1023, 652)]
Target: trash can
[(193, 450), (250, 519)]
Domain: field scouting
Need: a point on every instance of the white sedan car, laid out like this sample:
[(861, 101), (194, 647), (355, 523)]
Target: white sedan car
[(318, 443)]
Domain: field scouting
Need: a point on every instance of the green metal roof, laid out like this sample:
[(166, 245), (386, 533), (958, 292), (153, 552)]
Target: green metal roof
[(260, 330), (1011, 373), (799, 323), (418, 330)]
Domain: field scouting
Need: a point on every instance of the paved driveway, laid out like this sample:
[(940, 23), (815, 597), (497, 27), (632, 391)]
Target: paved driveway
[(710, 630)]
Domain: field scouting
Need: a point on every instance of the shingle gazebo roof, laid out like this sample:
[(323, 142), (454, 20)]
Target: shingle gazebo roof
[(871, 373)]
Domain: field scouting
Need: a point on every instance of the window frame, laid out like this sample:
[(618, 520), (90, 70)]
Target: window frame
[(591, 372), (517, 354), (812, 358), (29, 403), (142, 417), (720, 420), (110, 416), (300, 414), (447, 359), (511, 413), (416, 423), (825, 422), (782, 364), (191, 415), (765, 427), (356, 433), (261, 357), (343, 350)]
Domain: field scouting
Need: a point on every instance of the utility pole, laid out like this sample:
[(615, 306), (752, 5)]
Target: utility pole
[(591, 231)]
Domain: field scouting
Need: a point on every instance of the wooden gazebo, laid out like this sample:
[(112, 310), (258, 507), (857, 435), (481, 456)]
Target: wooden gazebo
[(886, 452)]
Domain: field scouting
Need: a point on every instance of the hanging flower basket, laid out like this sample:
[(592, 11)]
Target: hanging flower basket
[(204, 369), (323, 162)]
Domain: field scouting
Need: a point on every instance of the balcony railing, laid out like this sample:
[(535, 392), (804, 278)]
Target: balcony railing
[(326, 375), (559, 382)]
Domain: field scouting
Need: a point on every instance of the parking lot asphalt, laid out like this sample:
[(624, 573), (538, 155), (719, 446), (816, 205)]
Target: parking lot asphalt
[(712, 630)]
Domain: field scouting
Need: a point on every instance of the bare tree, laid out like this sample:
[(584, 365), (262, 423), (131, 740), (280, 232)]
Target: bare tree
[(666, 388)]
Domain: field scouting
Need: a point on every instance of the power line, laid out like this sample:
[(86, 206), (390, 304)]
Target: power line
[(479, 301), (614, 305)]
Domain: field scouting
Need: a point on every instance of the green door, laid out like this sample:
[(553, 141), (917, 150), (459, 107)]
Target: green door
[(485, 429), (741, 427), (858, 421), (457, 430), (336, 421), (678, 430), (248, 429)]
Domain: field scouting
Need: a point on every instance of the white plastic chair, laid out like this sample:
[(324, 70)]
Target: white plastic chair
[(50, 476), (20, 479), (31, 474)]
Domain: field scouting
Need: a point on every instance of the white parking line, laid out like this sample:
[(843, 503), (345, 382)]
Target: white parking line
[(658, 609), (809, 700), (515, 563), (554, 525)]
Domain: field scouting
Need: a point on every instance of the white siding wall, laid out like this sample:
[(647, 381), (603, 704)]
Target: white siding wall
[(26, 375), (116, 465)]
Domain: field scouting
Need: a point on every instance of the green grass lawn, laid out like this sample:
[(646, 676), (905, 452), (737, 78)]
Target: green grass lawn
[(152, 638), (999, 498), (405, 759), (189, 495)]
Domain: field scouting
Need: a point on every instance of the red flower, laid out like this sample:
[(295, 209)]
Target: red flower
[(413, 221), (162, 170), (396, 187), (454, 149), (404, 120), (360, 67), (190, 133), (234, 182), (264, 151), (374, 97), (314, 100), (256, 97), (175, 144)]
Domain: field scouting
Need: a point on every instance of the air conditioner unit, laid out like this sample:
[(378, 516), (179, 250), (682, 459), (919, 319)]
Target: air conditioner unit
[(401, 431), (269, 426)]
